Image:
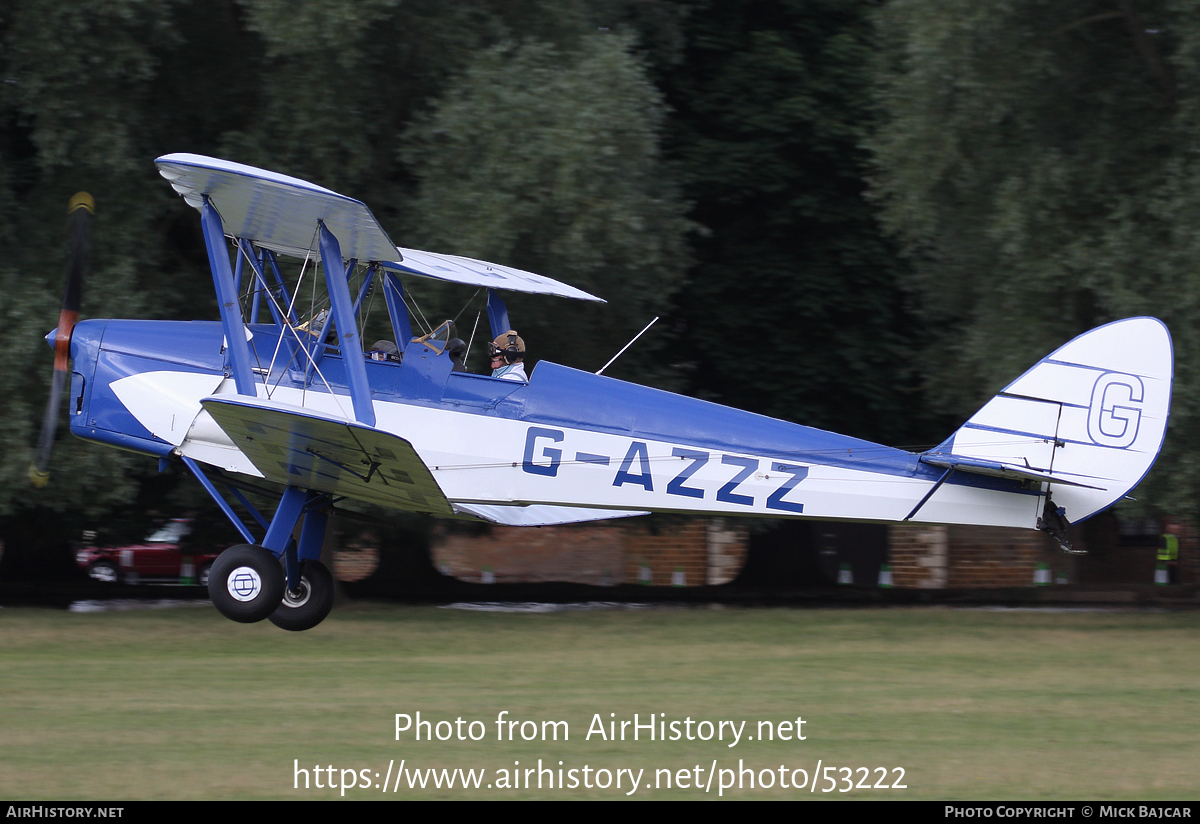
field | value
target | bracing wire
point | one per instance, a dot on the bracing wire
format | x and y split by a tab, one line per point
465	305
472	340
428	327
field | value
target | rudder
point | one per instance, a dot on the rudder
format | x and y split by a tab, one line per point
1088	418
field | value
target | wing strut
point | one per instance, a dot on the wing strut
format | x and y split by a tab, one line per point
347	330
929	494
497	314
237	348
237	522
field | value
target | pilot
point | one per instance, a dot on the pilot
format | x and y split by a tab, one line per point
384	350
508	357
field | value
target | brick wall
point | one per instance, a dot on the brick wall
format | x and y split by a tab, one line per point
952	556
714	551
982	557
927	556
691	551
917	555
1189	551
1127	551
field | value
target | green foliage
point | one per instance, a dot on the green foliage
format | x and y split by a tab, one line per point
549	161
793	308
337	83
1038	164
325	91
73	114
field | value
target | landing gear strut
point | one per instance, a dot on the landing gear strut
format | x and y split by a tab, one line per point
247	582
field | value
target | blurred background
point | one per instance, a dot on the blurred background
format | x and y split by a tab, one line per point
859	215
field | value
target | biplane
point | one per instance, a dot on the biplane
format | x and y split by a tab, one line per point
282	389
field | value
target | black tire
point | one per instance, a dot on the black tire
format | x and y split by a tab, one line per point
246	583
298	612
105	572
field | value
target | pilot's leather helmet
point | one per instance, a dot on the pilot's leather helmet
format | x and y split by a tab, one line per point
509	345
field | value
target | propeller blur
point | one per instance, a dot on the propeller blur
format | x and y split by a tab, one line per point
80	209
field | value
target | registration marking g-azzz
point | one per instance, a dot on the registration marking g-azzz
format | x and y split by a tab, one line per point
545	448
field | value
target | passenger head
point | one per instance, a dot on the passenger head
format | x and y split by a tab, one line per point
506	348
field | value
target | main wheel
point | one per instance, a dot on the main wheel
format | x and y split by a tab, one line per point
308	605
246	583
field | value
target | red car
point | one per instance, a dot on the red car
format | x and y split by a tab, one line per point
165	557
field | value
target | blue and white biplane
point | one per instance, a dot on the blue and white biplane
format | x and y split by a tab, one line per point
283	390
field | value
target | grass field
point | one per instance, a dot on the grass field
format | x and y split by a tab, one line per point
181	703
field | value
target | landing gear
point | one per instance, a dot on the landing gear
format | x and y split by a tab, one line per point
1054	522
246	583
307	605
249	582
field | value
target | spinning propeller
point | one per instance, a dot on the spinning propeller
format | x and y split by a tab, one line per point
80	210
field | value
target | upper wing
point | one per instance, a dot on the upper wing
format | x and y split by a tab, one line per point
300	448
457	269
275	211
280	213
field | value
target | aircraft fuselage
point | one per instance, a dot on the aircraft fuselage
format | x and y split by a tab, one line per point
567	438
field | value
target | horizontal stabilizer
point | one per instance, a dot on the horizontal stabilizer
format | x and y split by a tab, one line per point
999	470
542	514
305	449
1088	420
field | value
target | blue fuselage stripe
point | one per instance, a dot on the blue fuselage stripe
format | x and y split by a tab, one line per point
556	396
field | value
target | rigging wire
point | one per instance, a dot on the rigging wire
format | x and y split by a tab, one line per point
467	354
428	328
365	315
465	305
312	301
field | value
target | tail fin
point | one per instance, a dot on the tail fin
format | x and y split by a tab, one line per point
1087	421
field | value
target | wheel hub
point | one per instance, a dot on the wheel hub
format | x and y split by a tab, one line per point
299	596
243	584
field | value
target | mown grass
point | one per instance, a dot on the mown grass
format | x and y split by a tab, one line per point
181	703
